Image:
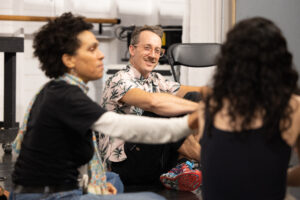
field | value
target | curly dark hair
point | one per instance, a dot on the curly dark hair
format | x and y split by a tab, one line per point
58	37
255	74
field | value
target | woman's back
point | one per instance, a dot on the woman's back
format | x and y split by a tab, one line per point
247	164
248	167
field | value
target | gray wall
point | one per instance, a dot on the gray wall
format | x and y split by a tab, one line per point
285	13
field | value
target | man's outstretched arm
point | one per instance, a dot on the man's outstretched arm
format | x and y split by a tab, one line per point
160	103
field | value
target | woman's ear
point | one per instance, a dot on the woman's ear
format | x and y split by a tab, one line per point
68	60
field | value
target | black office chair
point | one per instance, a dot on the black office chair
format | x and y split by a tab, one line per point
192	55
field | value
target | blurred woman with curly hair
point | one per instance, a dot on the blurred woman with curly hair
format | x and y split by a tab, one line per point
56	136
250	121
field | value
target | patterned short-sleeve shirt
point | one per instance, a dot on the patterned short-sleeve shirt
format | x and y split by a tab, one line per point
115	88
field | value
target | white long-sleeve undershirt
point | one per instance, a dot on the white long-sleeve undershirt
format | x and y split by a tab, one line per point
142	129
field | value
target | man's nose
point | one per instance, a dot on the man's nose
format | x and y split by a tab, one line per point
152	53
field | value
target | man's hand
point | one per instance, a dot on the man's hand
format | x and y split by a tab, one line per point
190	148
193	120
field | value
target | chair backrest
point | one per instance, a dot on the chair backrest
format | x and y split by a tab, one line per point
192	55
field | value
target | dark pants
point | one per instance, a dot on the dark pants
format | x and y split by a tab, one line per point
145	163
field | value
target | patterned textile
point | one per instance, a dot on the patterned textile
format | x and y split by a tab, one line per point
97	184
182	177
115	88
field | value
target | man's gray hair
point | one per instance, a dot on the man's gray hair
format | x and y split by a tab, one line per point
137	31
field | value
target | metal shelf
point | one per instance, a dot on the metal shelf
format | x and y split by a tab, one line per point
9	127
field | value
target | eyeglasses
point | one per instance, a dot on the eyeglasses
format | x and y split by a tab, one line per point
148	49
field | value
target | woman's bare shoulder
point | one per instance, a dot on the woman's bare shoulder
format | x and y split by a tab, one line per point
295	103
292	133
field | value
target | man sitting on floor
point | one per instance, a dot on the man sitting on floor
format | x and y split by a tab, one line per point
137	89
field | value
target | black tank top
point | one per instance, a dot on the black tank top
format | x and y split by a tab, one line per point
248	167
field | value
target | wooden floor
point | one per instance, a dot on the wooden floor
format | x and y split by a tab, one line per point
7	164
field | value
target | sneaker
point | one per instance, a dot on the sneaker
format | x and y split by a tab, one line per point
182	177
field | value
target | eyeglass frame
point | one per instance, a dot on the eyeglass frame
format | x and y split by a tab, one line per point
147	48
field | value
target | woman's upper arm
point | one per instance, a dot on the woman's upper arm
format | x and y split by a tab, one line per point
297	147
297	144
201	120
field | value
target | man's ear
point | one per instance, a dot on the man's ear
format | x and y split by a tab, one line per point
68	60
131	50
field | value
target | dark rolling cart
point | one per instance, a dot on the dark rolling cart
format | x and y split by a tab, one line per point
9	127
